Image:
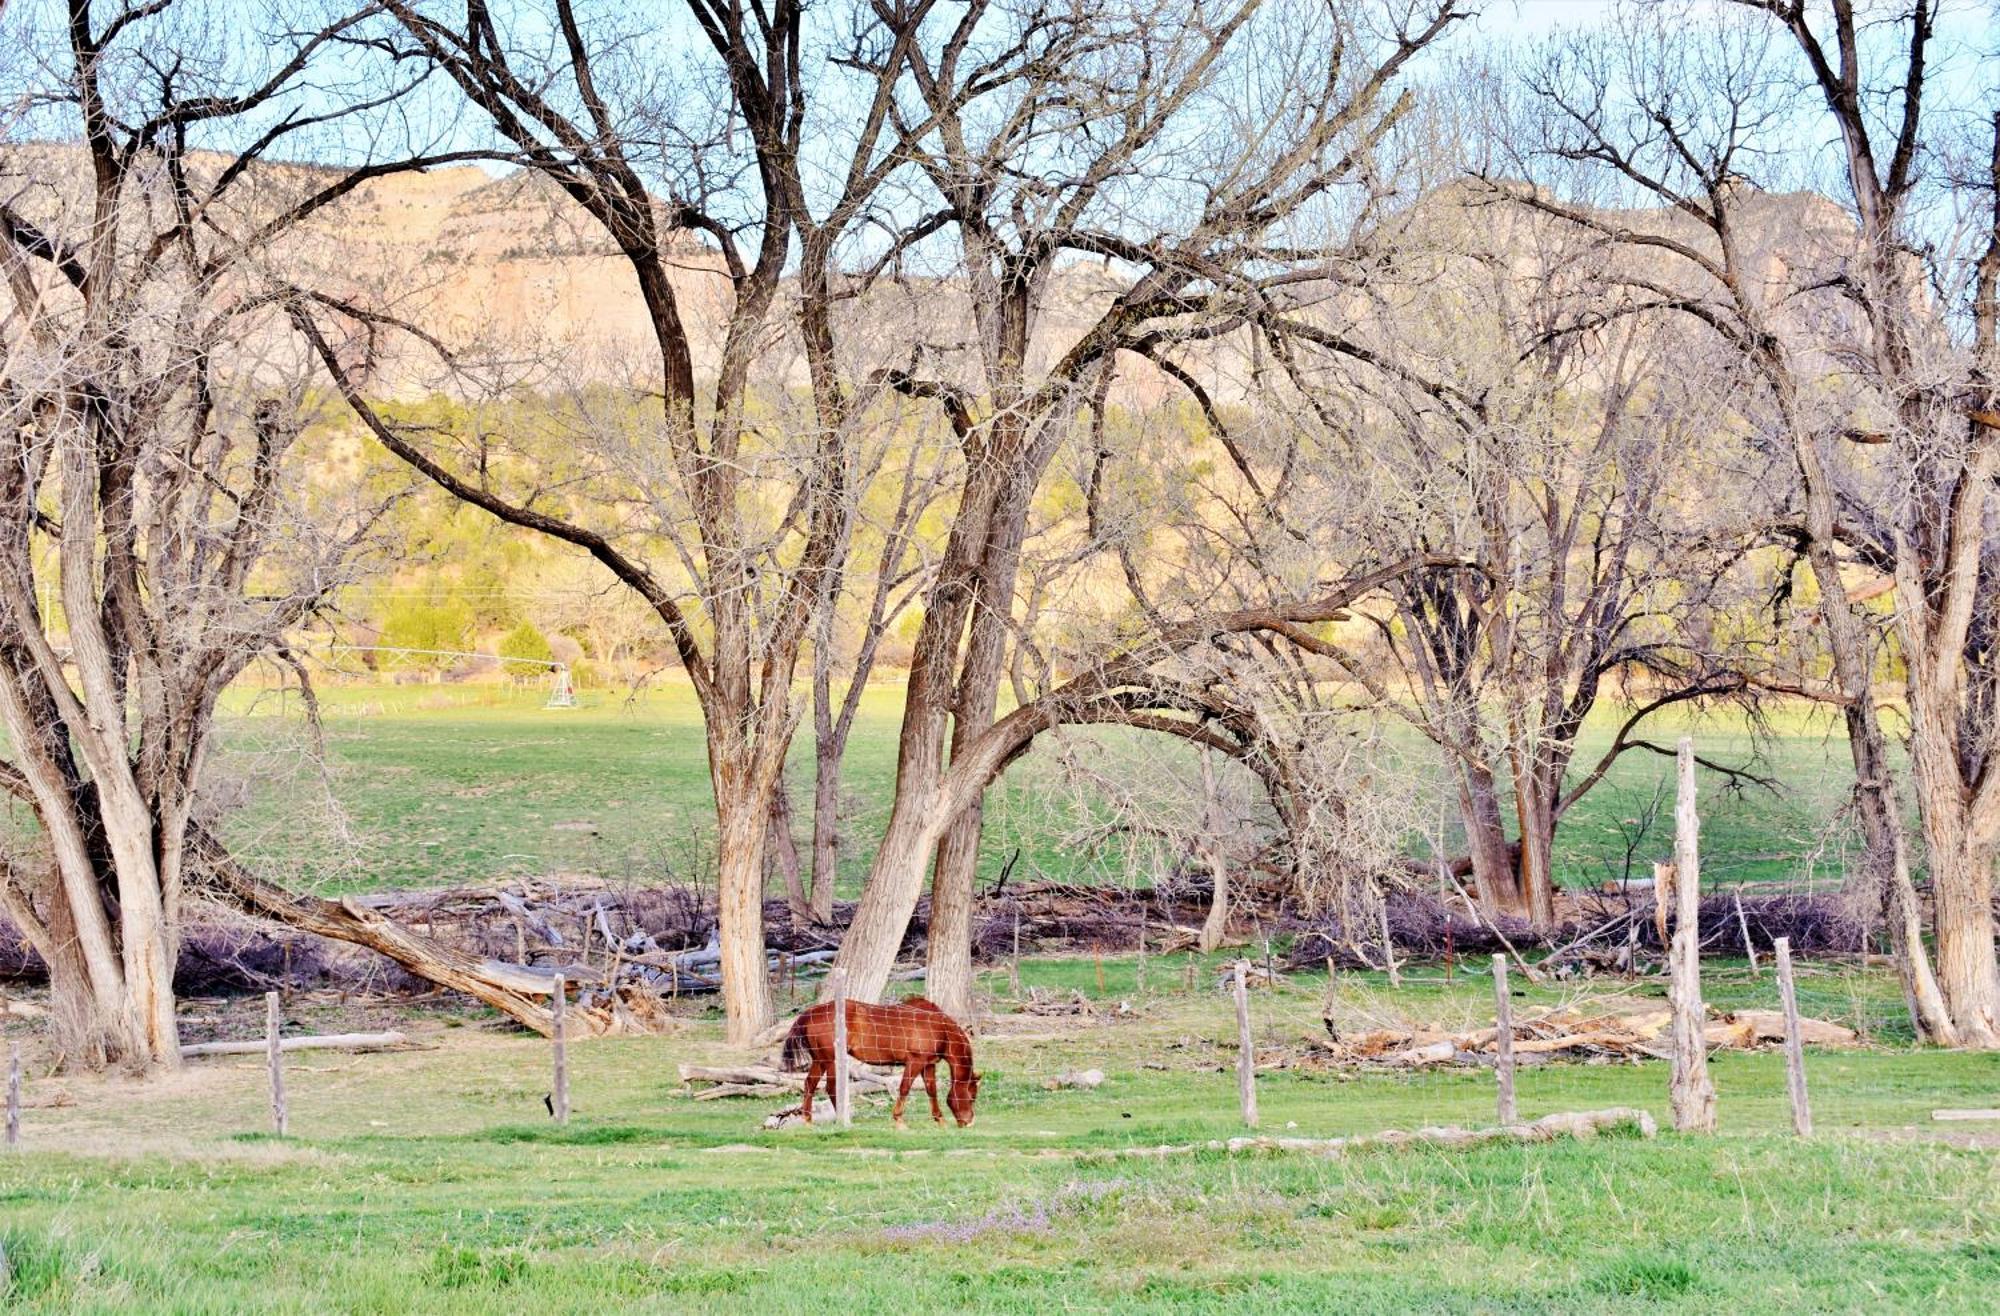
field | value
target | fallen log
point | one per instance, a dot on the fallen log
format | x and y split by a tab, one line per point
350	921
324	1042
1572	1124
1965	1114
775	1079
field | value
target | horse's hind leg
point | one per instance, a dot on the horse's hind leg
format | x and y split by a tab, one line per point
930	1086
903	1093
812	1085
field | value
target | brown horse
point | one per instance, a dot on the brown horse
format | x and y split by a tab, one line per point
912	1033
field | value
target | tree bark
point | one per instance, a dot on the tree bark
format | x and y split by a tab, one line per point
741	816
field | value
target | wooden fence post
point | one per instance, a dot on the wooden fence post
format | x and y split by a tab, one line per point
1246	1049
1795	1050
1139	965
559	1035
843	1102
1690	1090
276	1053
1743	926
14	1095
1503	1039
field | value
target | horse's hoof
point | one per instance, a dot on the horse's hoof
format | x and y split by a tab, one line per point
902	1127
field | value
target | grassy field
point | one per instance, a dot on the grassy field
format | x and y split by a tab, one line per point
431	1180
438	785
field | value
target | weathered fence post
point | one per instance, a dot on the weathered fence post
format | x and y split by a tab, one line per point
1100	973
1503	1038
1795	1048
1139	965
559	1035
1743	926
1388	945
843	1103
1246	1052
14	1095
275	1052
1691	1092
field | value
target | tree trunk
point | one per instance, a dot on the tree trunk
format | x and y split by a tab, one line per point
1886	858
948	974
782	851
1535	879
948	964
826	826
1961	871
1216	926
741	818
1495	879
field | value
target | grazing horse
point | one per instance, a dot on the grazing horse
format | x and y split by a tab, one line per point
912	1033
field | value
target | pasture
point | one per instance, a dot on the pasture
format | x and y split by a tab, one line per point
441	785
432	1179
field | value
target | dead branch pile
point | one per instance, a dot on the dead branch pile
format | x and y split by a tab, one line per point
1595	1032
1603	929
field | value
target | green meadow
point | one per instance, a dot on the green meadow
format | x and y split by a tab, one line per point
436	785
432	1179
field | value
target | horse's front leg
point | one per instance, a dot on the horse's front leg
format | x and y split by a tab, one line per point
930	1086
812	1085
910	1069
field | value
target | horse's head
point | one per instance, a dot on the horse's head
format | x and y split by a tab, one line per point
963	1093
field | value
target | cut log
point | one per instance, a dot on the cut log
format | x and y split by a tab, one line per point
324	1042
1965	1114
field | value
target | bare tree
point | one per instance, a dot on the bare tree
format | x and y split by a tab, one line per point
573	103
1049	135
1498	417
1859	377
157	534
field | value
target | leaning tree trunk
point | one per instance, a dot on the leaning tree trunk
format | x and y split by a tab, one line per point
511	989
1882	826
948	973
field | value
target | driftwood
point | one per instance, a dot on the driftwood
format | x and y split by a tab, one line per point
1574	1124
325	1042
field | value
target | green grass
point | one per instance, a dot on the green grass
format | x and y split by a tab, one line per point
432	1181
450	784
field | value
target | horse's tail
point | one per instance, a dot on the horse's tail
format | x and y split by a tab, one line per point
798	1051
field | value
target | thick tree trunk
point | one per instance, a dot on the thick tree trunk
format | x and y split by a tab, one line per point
948	964
1496	882
895	879
1961	871
1535	875
741	818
